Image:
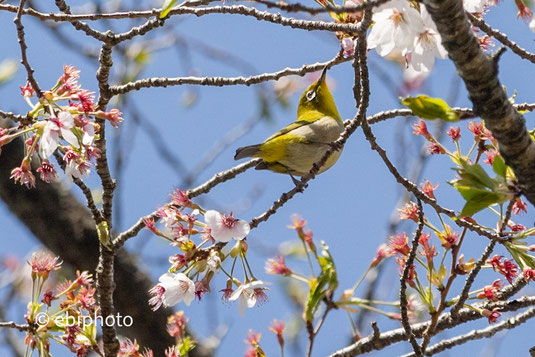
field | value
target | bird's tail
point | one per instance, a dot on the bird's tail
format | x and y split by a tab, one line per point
247	151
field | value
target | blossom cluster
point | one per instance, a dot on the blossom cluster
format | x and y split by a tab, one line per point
193	268
64	121
474	184
319	289
52	310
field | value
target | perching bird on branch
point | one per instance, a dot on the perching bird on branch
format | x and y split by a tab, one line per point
294	149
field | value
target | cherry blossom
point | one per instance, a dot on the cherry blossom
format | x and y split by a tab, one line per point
23	174
475	6
213	261
54	127
172	289
396	26
427	45
224	228
248	294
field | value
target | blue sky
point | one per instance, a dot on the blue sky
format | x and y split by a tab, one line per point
348	206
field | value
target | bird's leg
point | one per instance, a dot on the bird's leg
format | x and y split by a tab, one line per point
297	182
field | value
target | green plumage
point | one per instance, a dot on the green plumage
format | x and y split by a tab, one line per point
295	148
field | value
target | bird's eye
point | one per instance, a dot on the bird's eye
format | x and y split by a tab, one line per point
311	95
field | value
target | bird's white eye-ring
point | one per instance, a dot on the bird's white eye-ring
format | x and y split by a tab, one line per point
311	95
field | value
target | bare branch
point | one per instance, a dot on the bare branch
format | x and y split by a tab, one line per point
12	116
82	26
221	81
23	48
90	203
204	188
297	7
370	343
473	335
482	260
20	327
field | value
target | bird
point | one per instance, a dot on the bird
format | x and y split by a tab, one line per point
294	149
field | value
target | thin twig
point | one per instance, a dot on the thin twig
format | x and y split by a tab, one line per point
12	324
222	81
12	116
297	7
204	188
522	53
82	26
471	277
90	203
403	288
23	47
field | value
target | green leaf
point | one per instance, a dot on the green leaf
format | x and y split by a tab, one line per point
475	174
315	296
430	108
521	256
166	7
498	165
187	344
478	188
327	281
479	202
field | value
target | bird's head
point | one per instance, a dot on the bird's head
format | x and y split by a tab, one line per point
318	97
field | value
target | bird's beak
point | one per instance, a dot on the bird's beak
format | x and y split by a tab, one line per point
322	77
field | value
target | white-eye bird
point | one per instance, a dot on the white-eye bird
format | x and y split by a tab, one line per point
294	149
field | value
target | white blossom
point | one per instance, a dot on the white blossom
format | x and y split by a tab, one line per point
475	6
89	134
178	287
427	45
396	26
248	294
213	261
74	169
62	124
224	228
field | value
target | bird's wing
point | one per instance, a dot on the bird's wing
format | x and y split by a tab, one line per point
322	130
295	125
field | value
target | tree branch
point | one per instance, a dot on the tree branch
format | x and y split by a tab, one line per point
522	53
221	81
473	335
446	321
